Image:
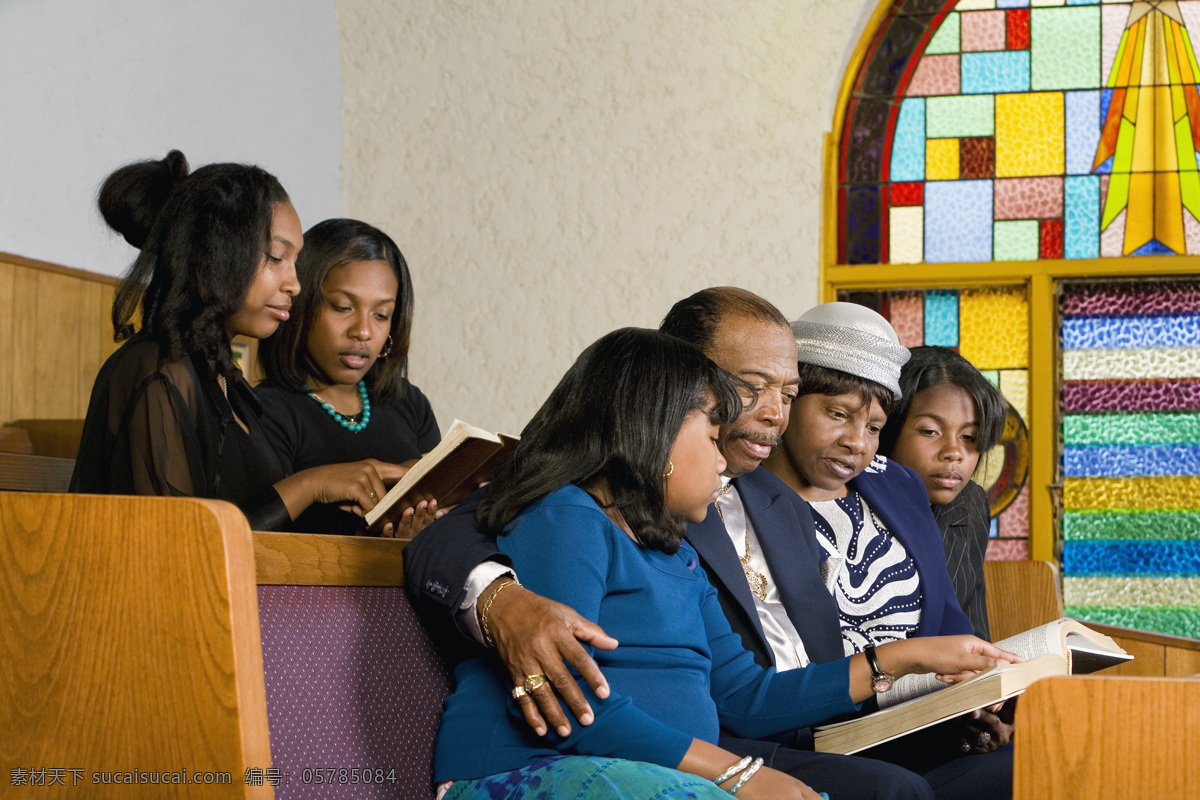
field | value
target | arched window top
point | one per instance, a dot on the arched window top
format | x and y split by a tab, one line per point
1017	130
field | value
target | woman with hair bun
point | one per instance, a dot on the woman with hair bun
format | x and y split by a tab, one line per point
337	383
170	414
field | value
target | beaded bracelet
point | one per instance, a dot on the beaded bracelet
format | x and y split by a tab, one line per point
734	770
747	775
487	606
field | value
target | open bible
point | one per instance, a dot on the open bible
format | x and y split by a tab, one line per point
1062	647
465	457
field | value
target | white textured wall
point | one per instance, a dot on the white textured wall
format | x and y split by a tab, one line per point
553	170
88	86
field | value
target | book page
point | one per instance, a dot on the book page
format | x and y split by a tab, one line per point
1035	642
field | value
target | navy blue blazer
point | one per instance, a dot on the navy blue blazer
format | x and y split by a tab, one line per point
897	496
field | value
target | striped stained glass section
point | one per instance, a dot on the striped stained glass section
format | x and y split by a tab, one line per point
1131	454
990	328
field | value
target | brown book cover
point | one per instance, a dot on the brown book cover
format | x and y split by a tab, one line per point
465	457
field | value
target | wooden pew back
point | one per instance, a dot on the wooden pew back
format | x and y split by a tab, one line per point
1088	737
1020	595
129	640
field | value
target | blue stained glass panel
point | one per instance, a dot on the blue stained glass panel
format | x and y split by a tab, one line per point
1083	2
1117	332
1082	213
1154	248
1131	558
941	317
1111	461
990	73
1105	100
908	145
1012	3
958	221
1083	130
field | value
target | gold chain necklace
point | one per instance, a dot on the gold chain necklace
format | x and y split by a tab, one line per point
756	580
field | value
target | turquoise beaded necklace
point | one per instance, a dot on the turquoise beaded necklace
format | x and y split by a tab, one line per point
343	420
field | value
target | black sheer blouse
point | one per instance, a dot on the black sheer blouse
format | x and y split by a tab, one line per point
167	429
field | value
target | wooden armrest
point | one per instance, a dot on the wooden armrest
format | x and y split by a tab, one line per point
1096	736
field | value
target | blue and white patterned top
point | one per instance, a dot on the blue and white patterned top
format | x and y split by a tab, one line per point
873	578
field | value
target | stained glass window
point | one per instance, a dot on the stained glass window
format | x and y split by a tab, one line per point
1131	453
1013	156
996	131
990	328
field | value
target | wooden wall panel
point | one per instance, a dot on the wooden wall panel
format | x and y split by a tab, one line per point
54	335
7	315
21	356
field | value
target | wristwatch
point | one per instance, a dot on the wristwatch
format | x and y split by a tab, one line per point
880	680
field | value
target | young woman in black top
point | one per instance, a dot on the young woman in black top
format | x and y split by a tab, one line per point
170	413
337	385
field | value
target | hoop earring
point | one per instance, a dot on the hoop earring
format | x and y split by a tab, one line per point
387	347
670	470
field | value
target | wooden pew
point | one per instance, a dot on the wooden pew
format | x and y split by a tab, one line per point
1020	595
353	682
129	641
1089	737
56	438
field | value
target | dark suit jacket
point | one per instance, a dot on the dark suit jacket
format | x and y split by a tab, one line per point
783	523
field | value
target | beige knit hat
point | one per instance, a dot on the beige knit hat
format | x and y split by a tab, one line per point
852	339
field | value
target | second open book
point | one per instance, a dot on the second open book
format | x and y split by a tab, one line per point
465	457
1062	647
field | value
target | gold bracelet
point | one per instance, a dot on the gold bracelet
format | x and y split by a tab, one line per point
487	606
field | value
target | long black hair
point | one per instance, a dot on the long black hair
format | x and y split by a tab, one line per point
328	245
931	367
202	237
615	414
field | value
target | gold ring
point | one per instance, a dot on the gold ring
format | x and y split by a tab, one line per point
534	682
518	692
373	496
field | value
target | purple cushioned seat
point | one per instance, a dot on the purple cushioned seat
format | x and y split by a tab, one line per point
353	683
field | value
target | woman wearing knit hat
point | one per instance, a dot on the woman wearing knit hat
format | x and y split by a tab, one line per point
882	552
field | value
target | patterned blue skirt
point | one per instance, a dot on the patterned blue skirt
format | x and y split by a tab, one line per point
579	777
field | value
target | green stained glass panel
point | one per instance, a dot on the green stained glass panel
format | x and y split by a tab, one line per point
946	40
1140	525
953	117
1131	429
1015	241
1065	45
